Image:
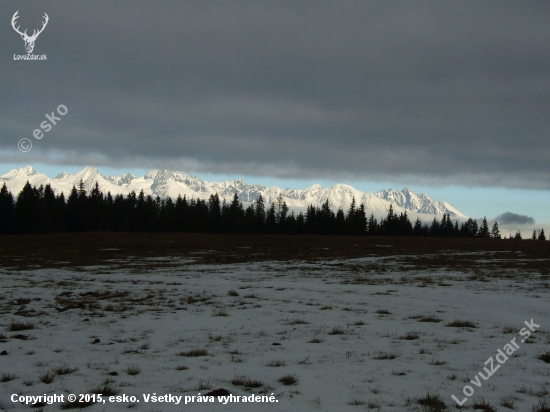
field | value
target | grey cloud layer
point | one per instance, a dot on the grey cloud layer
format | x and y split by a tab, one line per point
513	218
439	92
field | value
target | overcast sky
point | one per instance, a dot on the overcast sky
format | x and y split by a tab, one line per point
424	93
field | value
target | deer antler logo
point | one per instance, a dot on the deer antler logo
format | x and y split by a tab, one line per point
29	40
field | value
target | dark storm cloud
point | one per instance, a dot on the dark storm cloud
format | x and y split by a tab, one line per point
431	91
509	218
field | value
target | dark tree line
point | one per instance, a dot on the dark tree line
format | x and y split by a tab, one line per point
40	210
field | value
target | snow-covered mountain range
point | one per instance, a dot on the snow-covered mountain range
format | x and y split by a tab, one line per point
165	183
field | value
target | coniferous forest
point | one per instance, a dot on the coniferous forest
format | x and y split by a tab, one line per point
40	210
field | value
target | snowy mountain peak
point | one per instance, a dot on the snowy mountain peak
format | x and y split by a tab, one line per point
89	171
166	175
123	180
422	203
164	183
89	175
343	186
62	175
27	171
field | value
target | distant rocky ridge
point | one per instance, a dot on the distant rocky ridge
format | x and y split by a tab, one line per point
165	183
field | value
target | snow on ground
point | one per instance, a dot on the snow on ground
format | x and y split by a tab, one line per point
353	338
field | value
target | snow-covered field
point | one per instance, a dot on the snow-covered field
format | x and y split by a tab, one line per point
361	334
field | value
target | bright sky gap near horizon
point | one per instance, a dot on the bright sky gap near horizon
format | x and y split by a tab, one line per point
451	99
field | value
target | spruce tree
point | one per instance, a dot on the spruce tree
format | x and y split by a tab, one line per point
326	220
282	213
6	210
434	228
300	223
310	220
271	219
483	229
185	220
118	215
249	220
234	220
108	203
259	214
340	222
96	208
405	226
214	213
139	215
495	233
201	215
417	229
390	225
443	226
449	228
27	210
372	225
82	206
361	220
151	214
49	220
352	207
290	224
